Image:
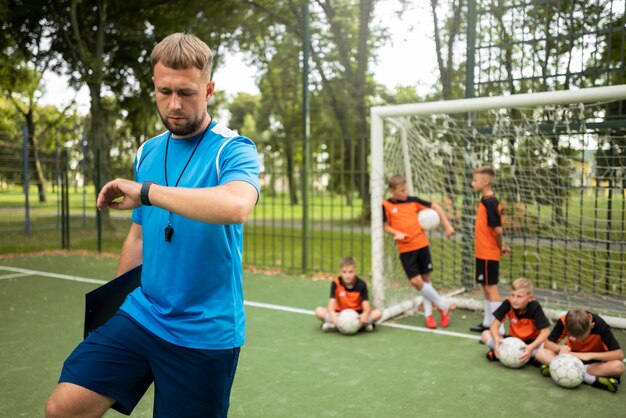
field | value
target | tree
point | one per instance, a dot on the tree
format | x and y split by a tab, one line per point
105	45
25	57
447	32
611	154
341	41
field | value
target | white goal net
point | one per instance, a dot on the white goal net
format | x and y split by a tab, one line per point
560	159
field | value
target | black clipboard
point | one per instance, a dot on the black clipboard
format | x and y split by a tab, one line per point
102	303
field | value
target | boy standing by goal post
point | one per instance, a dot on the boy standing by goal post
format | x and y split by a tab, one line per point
400	220
488	243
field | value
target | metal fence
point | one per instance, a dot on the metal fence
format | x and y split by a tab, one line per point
281	234
543	45
46	196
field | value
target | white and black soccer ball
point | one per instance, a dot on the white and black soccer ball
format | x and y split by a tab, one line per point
428	219
348	322
510	350
567	370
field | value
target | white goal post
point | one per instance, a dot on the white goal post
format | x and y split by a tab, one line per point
386	118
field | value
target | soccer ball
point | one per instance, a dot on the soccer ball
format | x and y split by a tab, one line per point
348	322
510	350
567	370
428	219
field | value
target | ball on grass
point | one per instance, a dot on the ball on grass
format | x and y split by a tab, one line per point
510	350
348	322
567	370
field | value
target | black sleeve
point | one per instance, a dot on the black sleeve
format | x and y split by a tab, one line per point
539	316
333	289
502	310
557	331
420	201
384	214
363	290
605	332
493	214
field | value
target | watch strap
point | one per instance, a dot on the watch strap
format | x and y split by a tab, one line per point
145	189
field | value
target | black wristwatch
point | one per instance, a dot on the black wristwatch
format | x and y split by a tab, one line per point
145	188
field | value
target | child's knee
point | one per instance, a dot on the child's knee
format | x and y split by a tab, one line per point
618	367
375	315
417	282
491	293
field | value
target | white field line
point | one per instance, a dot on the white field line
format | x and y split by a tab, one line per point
26	272
14	275
278	307
52	275
384	324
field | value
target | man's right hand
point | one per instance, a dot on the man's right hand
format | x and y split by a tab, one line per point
128	190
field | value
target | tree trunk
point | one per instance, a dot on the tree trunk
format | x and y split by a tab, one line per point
293	194
99	139
362	126
34	151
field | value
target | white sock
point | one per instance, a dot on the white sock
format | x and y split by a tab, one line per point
428	307
430	293
493	306
588	378
487	316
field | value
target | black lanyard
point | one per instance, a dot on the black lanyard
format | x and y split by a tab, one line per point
167	146
169	230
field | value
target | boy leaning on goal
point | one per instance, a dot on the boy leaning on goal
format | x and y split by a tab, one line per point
488	244
400	220
588	337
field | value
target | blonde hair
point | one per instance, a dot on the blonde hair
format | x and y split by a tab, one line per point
347	261
181	51
522	283
486	171
577	322
395	181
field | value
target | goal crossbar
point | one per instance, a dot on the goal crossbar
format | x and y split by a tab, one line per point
476	104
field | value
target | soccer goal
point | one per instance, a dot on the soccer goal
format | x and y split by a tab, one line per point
560	159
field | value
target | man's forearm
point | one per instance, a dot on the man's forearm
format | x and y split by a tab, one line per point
228	204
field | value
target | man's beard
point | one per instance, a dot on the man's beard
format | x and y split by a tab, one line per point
184	130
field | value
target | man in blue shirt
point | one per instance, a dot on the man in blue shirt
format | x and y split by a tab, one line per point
195	186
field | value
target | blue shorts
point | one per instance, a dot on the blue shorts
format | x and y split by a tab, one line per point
121	359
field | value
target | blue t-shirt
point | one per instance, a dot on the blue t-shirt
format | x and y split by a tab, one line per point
191	287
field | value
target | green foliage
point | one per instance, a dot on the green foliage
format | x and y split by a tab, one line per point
243	107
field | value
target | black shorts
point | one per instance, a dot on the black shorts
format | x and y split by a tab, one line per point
417	262
487	272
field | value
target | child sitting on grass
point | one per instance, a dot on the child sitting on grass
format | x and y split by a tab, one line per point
348	292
